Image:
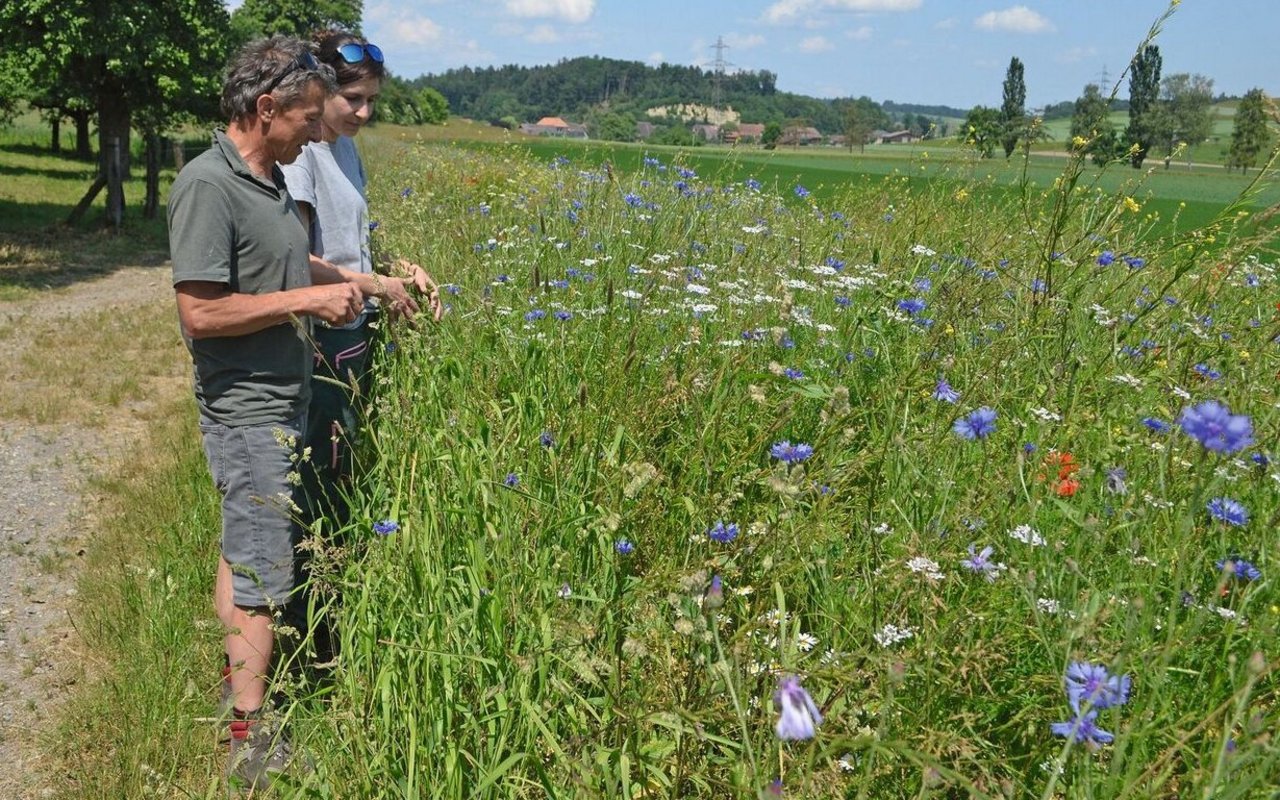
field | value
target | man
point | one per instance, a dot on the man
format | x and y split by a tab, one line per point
247	292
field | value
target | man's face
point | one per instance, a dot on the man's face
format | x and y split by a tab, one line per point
293	127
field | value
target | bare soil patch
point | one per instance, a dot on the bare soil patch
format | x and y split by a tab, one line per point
48	460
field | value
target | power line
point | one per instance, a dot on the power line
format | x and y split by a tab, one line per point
717	74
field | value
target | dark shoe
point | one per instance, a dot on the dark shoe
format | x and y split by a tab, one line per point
261	752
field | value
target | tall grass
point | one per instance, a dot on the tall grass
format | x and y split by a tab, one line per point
621	356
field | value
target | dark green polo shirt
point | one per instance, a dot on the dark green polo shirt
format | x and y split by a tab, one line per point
232	227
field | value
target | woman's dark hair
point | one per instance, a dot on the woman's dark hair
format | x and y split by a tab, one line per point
329	41
276	66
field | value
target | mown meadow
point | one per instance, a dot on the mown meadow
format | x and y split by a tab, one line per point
713	488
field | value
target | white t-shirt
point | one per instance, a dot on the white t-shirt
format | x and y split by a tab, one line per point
331	178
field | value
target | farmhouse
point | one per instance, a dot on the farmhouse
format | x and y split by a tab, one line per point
893	137
800	136
707	133
747	133
554	126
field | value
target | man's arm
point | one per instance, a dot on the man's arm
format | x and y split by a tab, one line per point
207	309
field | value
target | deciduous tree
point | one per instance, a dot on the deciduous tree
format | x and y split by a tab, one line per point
981	129
1187	101
300	18
158	58
1250	136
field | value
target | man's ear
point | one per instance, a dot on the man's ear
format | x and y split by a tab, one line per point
267	107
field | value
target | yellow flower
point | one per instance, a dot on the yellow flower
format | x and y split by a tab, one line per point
1079	141
1244	355
962	195
1132	205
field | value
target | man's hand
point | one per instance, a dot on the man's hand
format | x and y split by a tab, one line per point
335	303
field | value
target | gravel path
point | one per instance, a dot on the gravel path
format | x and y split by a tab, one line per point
46	521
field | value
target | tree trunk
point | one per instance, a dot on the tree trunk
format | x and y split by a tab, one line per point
77	213
55	135
151	204
114	127
84	145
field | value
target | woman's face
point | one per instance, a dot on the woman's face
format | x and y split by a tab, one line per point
350	108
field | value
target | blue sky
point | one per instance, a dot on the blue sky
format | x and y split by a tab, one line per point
952	52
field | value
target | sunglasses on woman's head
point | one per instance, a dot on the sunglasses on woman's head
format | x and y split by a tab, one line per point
354	52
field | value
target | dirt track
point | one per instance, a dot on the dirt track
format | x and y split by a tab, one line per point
47	521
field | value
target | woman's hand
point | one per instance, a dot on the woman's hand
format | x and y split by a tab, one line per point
420	279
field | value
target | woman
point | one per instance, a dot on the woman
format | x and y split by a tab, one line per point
328	183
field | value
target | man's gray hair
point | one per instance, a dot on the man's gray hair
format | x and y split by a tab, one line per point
278	66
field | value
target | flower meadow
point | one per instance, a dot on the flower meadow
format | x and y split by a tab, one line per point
708	488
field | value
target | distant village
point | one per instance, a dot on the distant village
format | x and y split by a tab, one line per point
730	133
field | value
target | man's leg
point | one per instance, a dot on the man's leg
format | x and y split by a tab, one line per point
249	642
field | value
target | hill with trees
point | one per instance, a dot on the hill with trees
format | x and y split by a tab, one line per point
597	90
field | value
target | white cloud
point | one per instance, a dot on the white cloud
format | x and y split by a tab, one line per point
543	34
1016	19
788	10
567	10
861	34
1074	55
815	44
655	58
945	24
743	41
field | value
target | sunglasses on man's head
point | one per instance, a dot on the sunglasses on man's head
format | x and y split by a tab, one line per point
306	61
354	52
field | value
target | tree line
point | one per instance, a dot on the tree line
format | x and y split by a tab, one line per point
1167	116
153	65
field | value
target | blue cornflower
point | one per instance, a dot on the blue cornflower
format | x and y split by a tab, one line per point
373	225
843	301
547	439
390	347
913	306
722	533
563	316
685	172
534	315
1134	262
1157	425
1106	258
923	285
834	263
755	335
714	597
1091	686
633	199
1083	729
1029	448
452	288
1224	509
979	424
385	527
511	481
1115	480
801	191
406	191
793	373
790	453
1205	371
1214	426
624	547
752	184
1239	568
1038	285
981	563
1261	459
944	392
798	715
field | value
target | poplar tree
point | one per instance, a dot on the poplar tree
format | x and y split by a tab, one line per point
1013	110
1144	98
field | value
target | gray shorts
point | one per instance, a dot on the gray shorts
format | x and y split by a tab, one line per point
251	466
